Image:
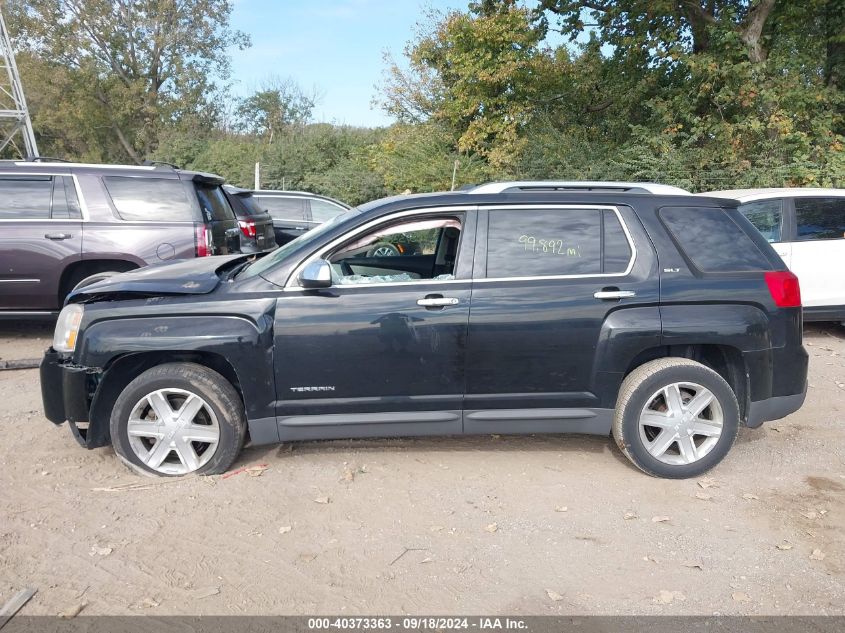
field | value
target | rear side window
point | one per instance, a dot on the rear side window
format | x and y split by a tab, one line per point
149	199
213	203
323	211
766	216
552	242
250	205
282	208
25	198
712	240
820	218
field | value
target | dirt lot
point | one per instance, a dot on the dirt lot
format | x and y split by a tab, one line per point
522	525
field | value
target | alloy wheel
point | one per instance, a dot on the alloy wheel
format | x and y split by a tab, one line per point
173	431
681	423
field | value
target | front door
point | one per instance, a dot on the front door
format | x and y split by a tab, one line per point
553	277
382	351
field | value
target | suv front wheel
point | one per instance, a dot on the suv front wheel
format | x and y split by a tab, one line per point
176	419
675	418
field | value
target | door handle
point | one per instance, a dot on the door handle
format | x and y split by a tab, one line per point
58	236
437	302
614	294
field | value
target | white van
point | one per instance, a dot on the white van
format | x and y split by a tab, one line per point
807	229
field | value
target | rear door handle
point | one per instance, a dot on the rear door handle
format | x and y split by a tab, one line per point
437	302
58	236
614	294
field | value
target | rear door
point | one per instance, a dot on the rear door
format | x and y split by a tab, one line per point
545	280
818	251
40	235
289	213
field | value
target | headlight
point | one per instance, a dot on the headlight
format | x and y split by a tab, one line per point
67	328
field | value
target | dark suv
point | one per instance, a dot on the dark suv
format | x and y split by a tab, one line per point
62	224
256	225
666	320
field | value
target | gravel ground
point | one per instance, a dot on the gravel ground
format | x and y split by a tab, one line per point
494	525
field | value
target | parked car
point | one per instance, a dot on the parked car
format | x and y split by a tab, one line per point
65	224
806	227
255	223
664	320
295	212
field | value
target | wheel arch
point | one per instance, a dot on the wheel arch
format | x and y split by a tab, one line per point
80	269
125	368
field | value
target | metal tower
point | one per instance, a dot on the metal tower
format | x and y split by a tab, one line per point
15	124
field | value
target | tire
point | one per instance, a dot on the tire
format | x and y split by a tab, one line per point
387	250
219	411
648	394
92	279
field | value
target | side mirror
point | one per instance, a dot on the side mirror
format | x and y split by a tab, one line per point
317	274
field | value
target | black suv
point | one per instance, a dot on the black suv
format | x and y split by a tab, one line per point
256	225
661	318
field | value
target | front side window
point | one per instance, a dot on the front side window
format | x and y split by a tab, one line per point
555	242
412	250
25	197
323	210
766	216
149	199
820	218
283	208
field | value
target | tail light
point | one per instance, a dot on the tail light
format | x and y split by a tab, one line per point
784	288
247	228
203	241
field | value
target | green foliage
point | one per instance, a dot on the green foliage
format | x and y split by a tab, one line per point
131	66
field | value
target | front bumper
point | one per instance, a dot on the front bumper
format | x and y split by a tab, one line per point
65	392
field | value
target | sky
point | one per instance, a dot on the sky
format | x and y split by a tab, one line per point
335	46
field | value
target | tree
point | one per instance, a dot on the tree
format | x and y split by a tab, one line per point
278	103
134	65
477	73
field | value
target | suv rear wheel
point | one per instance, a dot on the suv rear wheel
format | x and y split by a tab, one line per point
176	419
675	418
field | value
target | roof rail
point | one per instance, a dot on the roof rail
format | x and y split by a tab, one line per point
159	163
575	185
46	159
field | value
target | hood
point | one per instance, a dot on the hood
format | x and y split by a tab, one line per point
187	277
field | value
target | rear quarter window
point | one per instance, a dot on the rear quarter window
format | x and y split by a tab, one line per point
766	216
213	202
149	199
712	240
283	208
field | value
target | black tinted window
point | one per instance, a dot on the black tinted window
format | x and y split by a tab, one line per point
712	240
544	242
617	249
213	203
247	205
322	210
26	198
766	216
283	208
820	218
149	199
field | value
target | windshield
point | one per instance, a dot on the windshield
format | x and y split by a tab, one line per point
302	241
